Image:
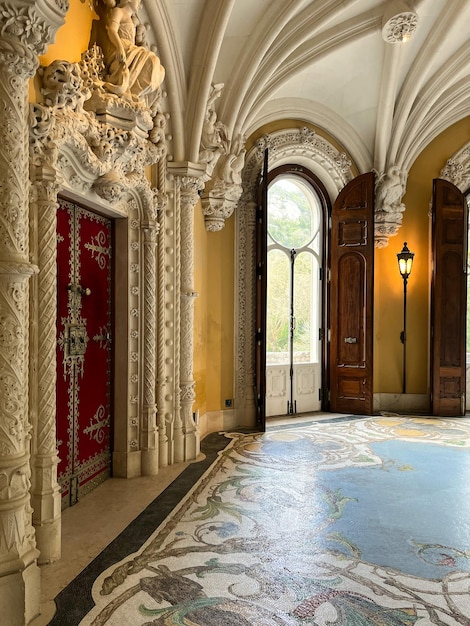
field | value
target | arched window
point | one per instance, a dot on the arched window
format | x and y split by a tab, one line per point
294	295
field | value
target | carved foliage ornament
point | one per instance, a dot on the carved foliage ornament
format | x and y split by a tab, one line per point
24	35
457	169
113	158
400	27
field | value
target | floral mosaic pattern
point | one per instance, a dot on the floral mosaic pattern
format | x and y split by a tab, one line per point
256	542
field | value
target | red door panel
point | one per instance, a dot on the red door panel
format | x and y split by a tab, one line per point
84	244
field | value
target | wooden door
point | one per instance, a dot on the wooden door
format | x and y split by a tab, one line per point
84	244
351	298
448	299
261	274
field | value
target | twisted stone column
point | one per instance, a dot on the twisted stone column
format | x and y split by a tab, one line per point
189	199
25	29
149	431
45	493
188	182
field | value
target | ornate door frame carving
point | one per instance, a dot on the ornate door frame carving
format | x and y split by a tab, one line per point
103	167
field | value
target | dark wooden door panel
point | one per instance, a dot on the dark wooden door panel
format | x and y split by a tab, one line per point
261	294
351	298
448	299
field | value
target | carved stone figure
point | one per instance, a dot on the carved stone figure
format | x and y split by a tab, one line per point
214	137
390	188
131	69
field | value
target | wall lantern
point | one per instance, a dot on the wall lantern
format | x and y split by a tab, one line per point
405	264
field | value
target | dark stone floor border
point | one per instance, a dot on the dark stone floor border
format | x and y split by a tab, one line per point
75	601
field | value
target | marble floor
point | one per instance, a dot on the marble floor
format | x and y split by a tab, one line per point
326	520
110	508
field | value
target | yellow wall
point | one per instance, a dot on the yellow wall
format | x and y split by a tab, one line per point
415	230
214	315
72	38
200	311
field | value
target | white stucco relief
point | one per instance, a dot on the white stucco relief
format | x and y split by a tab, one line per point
223	157
94	145
26	27
457	169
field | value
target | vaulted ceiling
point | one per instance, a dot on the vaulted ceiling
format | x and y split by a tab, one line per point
320	61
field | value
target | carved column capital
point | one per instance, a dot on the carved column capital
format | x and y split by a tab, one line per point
219	200
26	27
189	179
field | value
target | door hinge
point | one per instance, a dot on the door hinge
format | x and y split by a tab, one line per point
321	334
321	272
320	394
73	489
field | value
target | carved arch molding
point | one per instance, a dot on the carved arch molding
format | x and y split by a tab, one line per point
457	169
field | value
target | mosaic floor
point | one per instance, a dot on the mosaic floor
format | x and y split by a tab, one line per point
346	522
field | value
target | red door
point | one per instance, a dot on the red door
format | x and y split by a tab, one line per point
84	244
352	298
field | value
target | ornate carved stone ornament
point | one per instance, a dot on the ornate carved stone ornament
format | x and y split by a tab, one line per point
26	28
399	22
89	152
390	188
223	158
124	75
457	169
97	145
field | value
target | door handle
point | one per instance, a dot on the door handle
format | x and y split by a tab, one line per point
350	340
84	291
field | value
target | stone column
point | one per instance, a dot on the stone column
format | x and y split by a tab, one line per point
25	29
189	199
149	431
188	182
45	493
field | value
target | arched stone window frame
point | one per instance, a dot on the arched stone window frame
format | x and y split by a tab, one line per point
302	146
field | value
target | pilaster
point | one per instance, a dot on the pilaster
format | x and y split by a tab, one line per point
188	182
45	493
25	30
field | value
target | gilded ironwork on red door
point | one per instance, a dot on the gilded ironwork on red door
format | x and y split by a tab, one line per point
84	245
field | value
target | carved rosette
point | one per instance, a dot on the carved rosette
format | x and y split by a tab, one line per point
400	27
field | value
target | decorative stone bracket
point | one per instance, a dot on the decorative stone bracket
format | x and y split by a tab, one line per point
390	188
224	158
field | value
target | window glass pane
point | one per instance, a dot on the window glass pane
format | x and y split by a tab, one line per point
290	220
306	301
277	323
